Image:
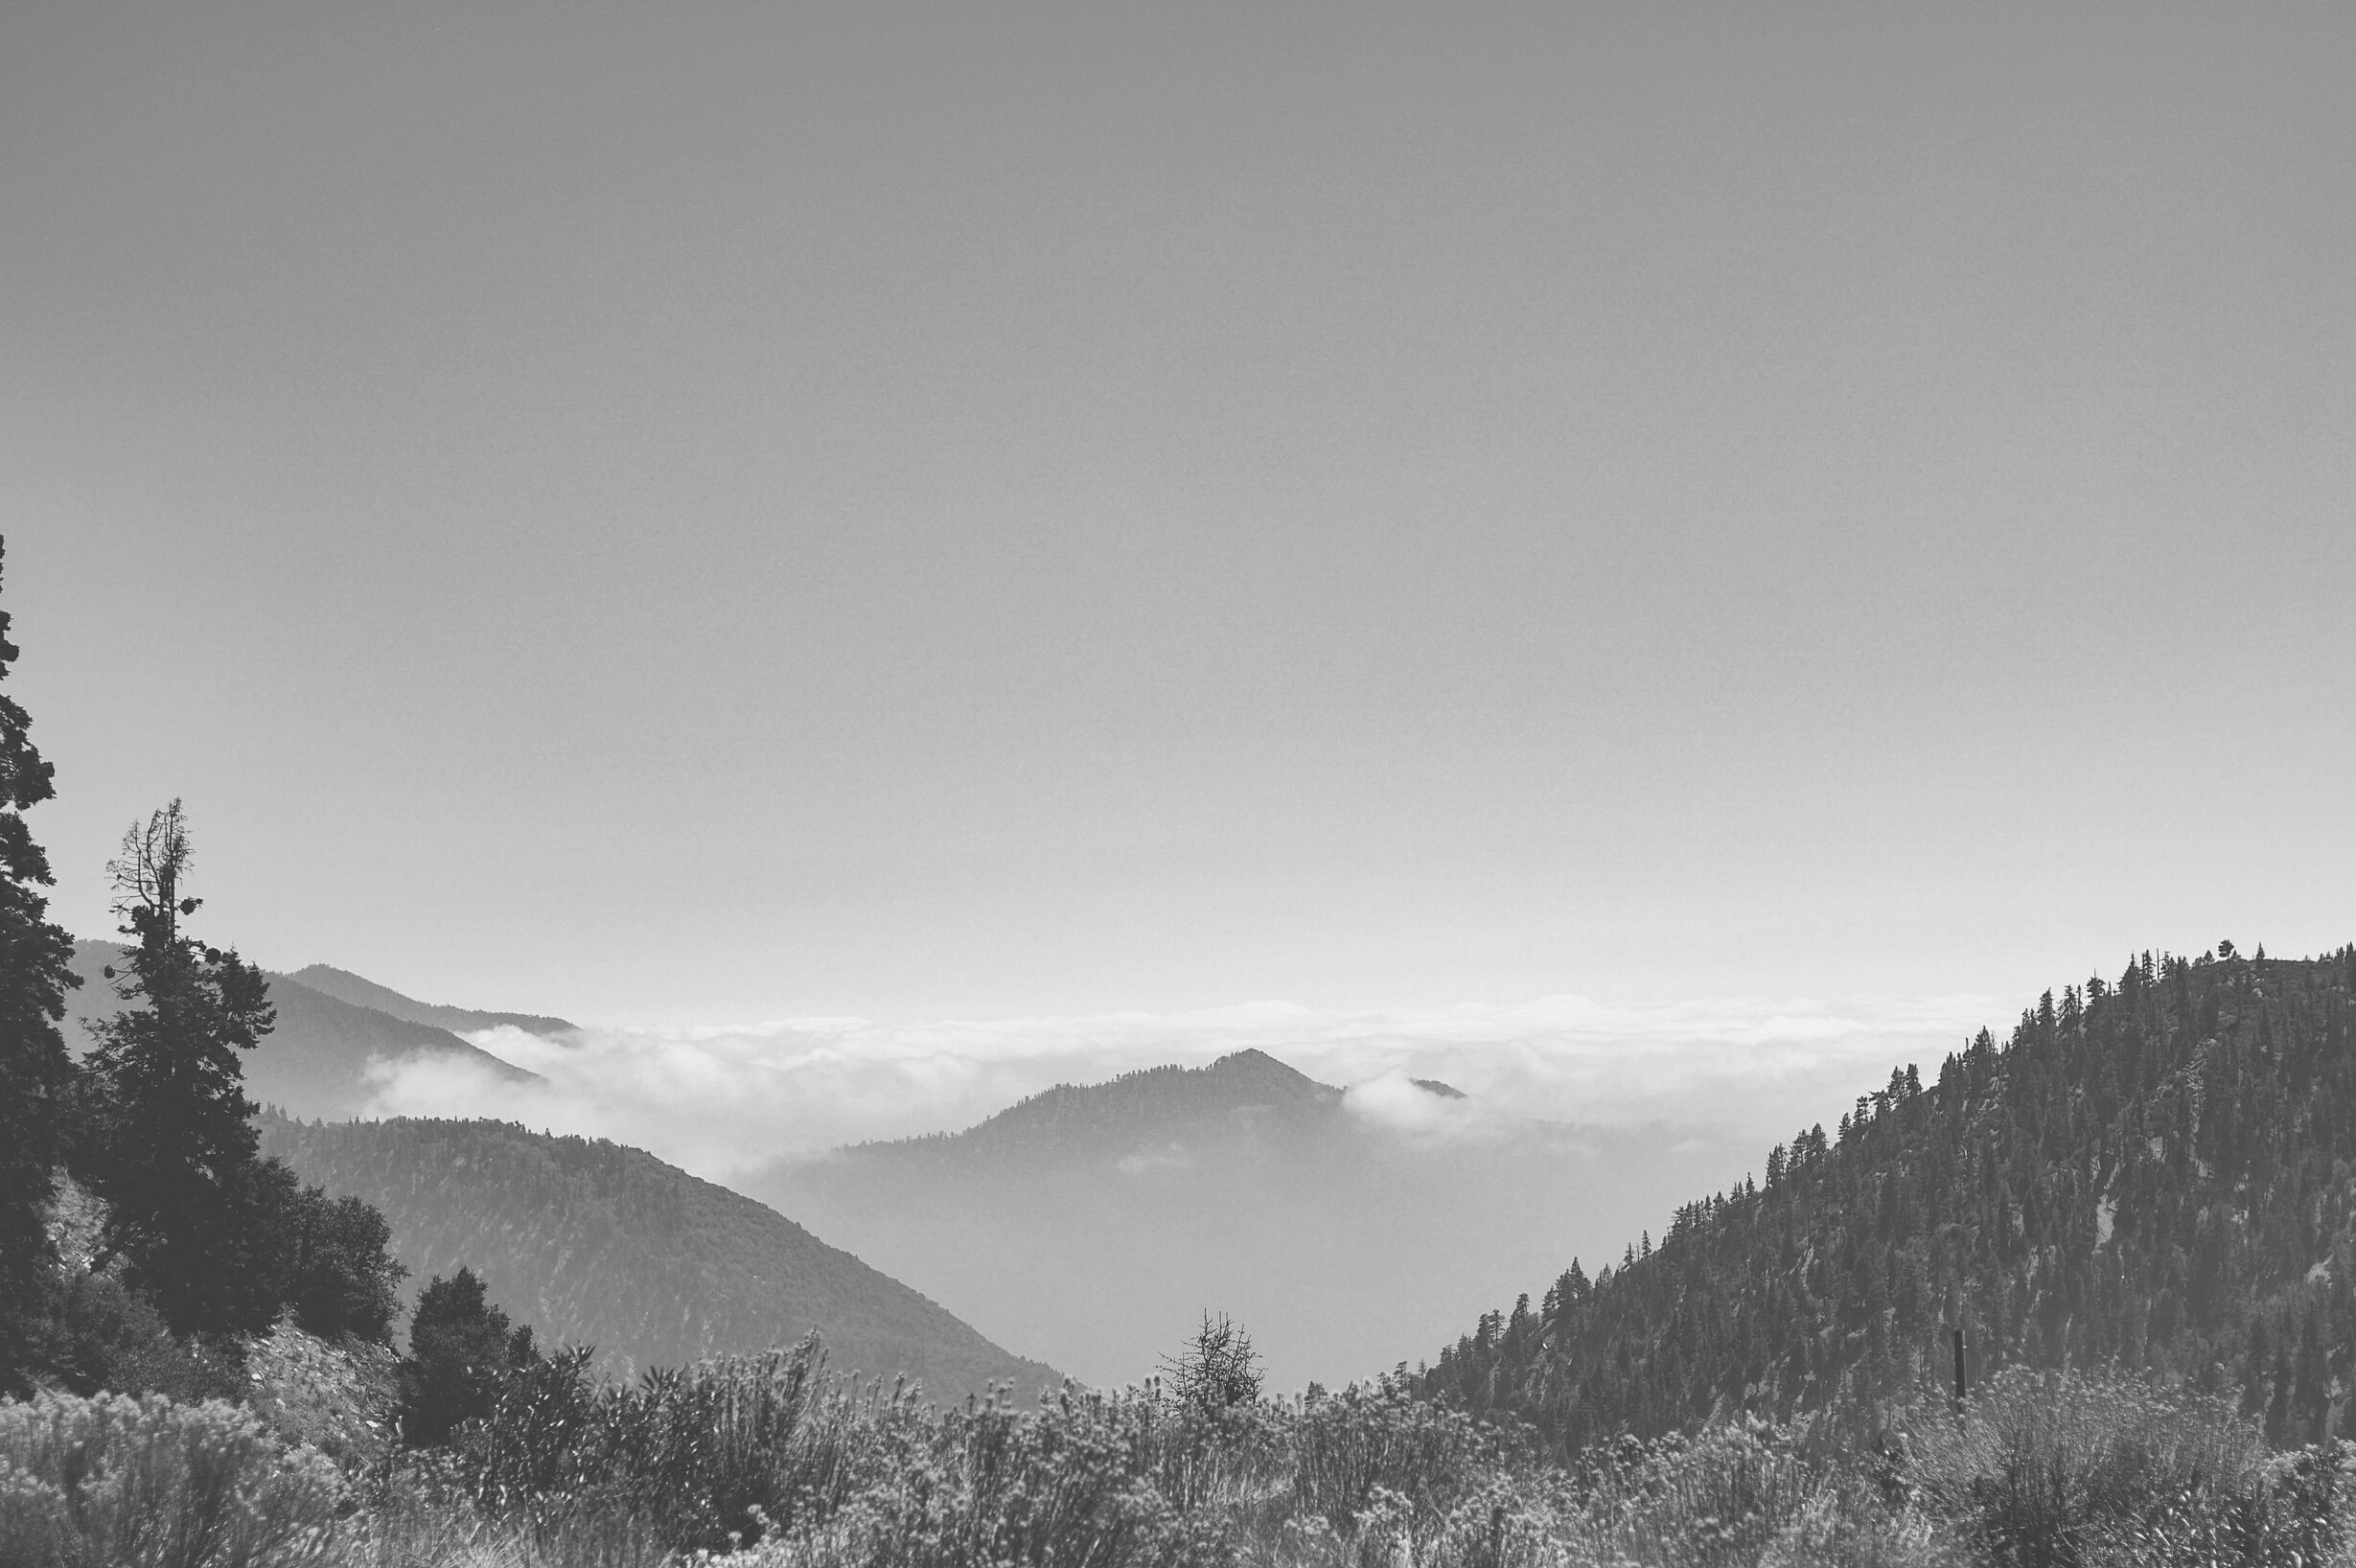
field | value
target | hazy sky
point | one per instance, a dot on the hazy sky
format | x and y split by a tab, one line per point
723	512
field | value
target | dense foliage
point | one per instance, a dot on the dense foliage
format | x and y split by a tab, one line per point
168	1141
773	1464
117	1480
34	1065
462	1349
2157	1174
330	1260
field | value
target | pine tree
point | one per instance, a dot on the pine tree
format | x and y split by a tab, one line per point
460	1347
171	1148
34	1065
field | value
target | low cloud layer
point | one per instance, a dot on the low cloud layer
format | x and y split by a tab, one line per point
723	1101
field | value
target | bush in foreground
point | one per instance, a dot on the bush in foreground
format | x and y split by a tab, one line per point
2064	1469
120	1480
770	1463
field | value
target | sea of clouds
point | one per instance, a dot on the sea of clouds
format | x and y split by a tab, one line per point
725	1100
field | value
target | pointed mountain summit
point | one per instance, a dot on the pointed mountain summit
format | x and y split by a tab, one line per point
1239	1097
1089	1225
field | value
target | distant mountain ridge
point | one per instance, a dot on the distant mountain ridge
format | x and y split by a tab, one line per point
594	1244
1091	1225
360	992
317	1059
1231	1097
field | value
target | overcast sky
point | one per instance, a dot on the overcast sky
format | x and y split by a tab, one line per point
703	513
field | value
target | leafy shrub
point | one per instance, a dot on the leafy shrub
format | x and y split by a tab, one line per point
1082	1481
1368	1478
107	1336
417	1514
1347	1449
335	1273
2058	1469
712	1454
118	1480
1745	1492
2288	1516
767	1461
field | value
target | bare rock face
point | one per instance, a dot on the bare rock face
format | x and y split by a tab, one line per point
340	1398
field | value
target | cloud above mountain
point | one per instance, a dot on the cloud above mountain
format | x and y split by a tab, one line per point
725	1100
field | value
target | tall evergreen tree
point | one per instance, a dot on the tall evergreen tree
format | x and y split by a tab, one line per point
34	1066
460	1347
172	1147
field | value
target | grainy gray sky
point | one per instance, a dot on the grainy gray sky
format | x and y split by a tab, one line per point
735	511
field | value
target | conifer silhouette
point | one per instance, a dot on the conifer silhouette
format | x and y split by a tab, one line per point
35	1068
171	1146
460	1347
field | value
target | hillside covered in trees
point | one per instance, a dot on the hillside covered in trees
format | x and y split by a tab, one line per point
2157	1174
597	1244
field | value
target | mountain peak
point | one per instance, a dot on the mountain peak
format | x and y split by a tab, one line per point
1243	1091
1255	1065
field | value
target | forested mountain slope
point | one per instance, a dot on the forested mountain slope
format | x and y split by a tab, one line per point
2158	1172
593	1243
1092	1224
315	1060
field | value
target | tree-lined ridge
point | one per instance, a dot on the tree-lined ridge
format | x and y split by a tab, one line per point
2157	1172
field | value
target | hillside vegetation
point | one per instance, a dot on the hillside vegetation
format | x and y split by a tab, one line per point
766	1463
2157	1174
600	1245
